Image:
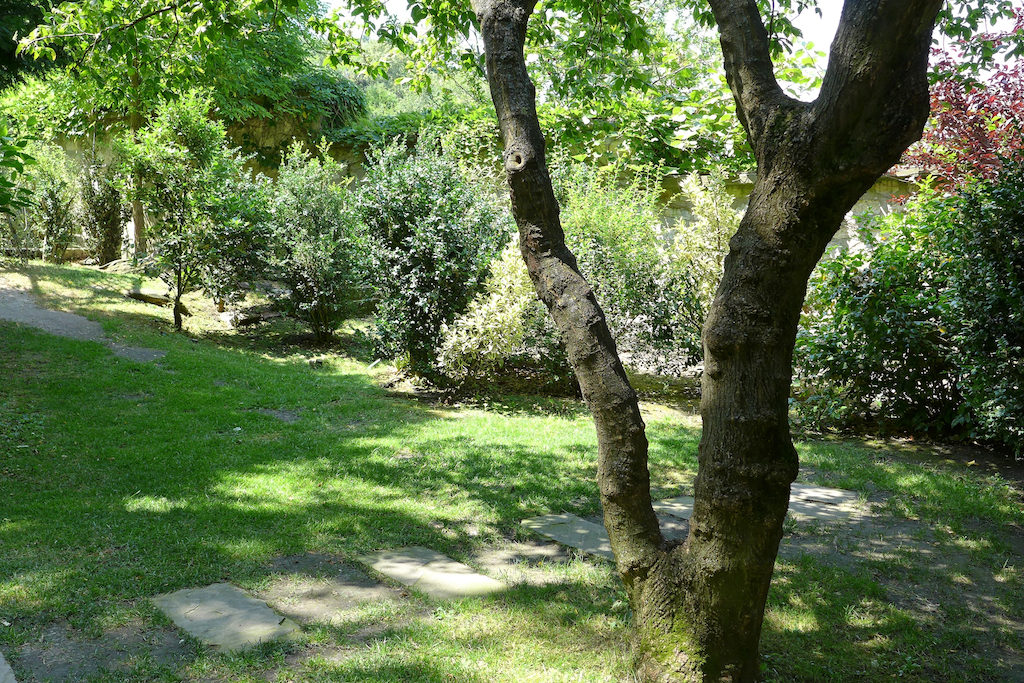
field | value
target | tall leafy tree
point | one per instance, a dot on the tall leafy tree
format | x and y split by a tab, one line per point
976	123
17	18
129	56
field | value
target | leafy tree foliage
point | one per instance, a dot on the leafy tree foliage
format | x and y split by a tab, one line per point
975	124
17	17
51	210
206	232
256	58
102	210
13	159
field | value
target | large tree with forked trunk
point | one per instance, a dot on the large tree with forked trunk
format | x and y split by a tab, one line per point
699	605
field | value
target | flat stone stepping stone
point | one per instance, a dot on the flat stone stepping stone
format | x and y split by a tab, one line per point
224	616
681	507
432	573
821	494
6	674
806	503
812	510
574	531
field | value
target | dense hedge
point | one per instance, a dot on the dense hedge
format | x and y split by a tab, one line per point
923	331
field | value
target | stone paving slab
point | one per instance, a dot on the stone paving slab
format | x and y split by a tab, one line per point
821	494
571	530
806	503
6	674
430	572
812	510
224	616
681	507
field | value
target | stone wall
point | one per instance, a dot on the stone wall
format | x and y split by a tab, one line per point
880	199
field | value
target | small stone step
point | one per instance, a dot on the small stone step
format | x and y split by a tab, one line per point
224	616
821	494
812	510
573	531
432	573
806	503
6	674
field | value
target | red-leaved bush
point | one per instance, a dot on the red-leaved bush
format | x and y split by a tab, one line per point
975	125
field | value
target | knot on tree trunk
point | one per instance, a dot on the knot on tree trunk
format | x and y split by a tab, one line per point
517	158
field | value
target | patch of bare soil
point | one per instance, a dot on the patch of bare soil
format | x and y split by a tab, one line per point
61	655
316	588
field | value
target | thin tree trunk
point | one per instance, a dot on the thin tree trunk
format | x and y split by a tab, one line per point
135	122
177	299
699	606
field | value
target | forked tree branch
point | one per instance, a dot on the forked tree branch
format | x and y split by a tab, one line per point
876	71
748	64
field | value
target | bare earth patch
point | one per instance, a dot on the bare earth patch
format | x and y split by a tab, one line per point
60	655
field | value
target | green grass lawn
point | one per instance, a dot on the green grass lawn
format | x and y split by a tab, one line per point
120	480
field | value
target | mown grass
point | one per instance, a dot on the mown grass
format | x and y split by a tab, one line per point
119	481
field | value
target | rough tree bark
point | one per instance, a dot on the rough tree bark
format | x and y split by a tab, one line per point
698	606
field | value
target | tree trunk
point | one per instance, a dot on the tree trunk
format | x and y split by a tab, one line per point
179	289
699	606
135	121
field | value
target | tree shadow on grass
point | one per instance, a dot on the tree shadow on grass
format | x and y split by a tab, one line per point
826	623
115	500
122	495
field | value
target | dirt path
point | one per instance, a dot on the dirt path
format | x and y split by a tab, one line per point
19	306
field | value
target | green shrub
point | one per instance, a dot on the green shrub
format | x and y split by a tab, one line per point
434	234
319	247
874	345
51	209
506	335
922	331
700	245
13	159
238	232
986	246
648	294
102	210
